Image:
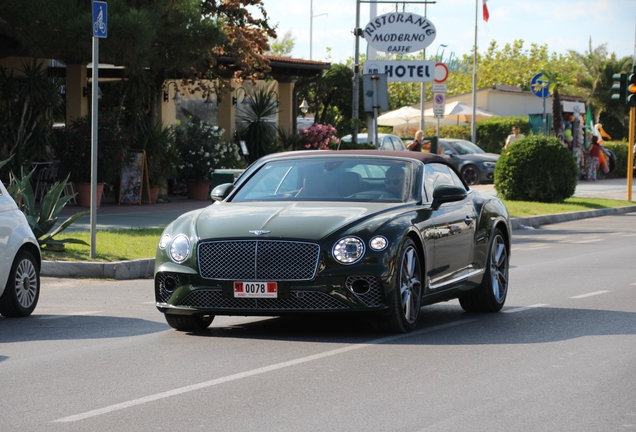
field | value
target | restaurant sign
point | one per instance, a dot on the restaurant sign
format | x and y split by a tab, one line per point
399	32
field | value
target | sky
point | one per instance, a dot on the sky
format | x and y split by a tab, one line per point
561	24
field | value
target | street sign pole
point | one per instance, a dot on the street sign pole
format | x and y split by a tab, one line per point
100	30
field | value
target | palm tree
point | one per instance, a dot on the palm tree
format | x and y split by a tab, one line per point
558	81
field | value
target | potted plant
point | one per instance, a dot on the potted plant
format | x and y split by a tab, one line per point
73	149
161	155
201	151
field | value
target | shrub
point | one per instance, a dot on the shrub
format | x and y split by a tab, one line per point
318	137
73	148
536	168
201	150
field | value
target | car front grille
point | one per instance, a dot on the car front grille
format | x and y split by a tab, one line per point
298	300
263	260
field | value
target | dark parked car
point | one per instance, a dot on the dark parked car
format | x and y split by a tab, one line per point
474	165
381	233
387	142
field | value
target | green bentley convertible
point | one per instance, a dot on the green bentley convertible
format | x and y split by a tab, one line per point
359	231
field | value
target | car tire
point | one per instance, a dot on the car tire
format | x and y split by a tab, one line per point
22	291
406	293
470	174
490	295
189	322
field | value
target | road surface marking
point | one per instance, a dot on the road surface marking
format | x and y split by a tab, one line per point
523	308
589	294
588	241
253	372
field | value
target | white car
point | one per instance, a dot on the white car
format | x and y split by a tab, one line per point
20	261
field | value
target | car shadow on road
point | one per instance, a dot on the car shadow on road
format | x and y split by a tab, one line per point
71	327
442	325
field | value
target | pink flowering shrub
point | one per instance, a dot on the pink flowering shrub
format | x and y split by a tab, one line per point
318	137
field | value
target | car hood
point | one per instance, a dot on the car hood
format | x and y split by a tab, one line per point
300	220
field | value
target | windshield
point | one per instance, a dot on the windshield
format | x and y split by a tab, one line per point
460	147
330	179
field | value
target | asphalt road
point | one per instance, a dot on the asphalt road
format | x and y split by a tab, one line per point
97	355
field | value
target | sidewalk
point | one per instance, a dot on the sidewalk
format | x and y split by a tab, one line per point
110	215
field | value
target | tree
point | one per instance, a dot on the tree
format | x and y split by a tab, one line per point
282	46
558	81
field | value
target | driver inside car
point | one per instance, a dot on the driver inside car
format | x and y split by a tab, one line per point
394	181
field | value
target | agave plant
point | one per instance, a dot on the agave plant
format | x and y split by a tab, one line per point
52	204
258	133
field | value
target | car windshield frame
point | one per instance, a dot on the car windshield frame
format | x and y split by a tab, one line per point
331	179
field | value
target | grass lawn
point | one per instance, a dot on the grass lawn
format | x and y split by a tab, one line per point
119	245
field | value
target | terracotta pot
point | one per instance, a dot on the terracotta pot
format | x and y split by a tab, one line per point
198	189
83	191
154	194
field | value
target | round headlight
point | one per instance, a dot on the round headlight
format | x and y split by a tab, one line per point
180	248
378	243
348	250
164	240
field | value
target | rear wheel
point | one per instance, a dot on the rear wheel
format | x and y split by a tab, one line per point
23	287
490	296
189	322
407	293
470	174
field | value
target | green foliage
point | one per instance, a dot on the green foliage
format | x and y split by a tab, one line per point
536	168
52	204
73	148
161	153
259	134
492	133
28	102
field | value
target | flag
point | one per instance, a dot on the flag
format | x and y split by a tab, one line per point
485	11
589	127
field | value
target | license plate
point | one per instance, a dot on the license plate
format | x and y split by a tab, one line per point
255	289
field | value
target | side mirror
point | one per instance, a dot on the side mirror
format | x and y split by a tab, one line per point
220	192
447	193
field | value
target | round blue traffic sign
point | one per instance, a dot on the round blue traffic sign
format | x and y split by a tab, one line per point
539	86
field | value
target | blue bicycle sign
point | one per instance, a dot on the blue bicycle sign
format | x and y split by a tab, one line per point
100	17
540	86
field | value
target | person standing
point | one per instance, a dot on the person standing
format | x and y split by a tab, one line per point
516	135
593	158
418	142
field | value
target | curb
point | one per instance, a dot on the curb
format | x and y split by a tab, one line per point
121	270
532	221
144	268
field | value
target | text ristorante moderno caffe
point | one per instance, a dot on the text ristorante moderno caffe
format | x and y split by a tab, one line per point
423	28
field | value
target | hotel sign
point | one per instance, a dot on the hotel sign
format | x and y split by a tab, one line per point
402	70
399	32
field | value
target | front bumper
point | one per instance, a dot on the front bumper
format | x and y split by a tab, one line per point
179	293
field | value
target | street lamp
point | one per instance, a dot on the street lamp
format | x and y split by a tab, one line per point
177	96
304	106
244	100
209	102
